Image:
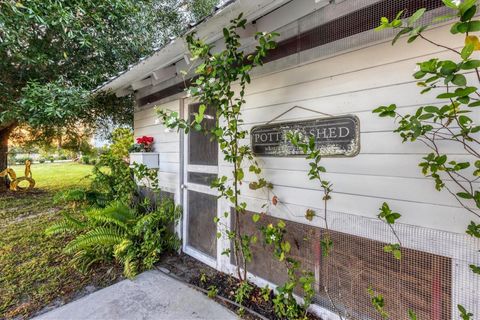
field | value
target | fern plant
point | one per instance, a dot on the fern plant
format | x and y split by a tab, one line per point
118	232
153	234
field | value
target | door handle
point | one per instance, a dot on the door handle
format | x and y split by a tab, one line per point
184	186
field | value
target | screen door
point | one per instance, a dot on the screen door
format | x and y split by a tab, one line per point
200	201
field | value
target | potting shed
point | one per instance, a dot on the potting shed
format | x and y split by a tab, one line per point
328	72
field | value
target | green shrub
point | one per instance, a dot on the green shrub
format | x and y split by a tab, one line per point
109	229
62	157
120	233
41	160
51	159
80	198
114	178
122	139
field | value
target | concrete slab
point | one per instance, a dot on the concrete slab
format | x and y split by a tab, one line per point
152	295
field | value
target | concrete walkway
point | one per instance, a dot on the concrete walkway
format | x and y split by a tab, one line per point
152	295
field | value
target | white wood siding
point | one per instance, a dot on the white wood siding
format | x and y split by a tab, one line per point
352	82
166	142
386	169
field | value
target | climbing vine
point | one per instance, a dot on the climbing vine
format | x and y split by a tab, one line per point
221	80
455	83
285	304
308	146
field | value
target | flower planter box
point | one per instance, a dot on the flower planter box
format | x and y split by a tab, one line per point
150	159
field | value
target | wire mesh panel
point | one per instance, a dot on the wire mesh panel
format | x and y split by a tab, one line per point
429	282
340	27
420	281
205	179
202	230
202	150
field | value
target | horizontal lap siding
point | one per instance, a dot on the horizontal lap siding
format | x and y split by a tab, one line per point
167	143
386	169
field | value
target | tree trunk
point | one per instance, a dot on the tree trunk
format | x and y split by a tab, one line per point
4	135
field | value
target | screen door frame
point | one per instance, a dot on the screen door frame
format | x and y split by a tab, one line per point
190	186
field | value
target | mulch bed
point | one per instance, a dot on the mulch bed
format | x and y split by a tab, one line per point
198	274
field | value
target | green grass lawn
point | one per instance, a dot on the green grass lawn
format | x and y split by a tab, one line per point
34	272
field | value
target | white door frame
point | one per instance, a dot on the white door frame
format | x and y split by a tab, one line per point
210	261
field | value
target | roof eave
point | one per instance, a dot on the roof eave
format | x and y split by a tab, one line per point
173	51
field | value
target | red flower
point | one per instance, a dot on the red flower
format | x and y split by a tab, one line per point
145	140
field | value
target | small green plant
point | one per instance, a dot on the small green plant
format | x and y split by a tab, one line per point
212	292
390	217
203	278
266	292
412	315
285	304
147	175
395	249
243	292
378	303
464	314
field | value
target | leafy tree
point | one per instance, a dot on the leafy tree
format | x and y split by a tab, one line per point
54	53
201	8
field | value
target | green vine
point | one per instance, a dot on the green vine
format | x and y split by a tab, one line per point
450	121
285	304
217	75
308	146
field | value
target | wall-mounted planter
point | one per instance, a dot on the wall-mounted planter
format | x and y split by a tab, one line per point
150	159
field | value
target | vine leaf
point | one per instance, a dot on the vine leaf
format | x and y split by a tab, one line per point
395	249
310	214
475	269
412	315
464	314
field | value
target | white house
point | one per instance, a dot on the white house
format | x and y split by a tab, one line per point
329	61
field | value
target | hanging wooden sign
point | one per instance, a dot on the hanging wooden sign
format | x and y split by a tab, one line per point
334	136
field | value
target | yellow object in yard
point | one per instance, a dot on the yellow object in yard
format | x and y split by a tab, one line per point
14	181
